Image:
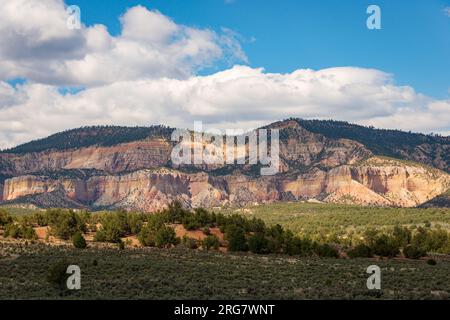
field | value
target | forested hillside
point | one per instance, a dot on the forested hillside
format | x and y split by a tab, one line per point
90	136
429	149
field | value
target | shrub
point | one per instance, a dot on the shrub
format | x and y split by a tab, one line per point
402	236
40	219
360	251
190	223
385	246
79	241
431	240
413	252
5	218
203	217
17	230
166	237
28	232
431	262
114	226
57	274
190	243
135	222
175	212
211	241
147	235
298	246
120	244
65	223
12	230
257	226
326	251
236	238
273	245
258	243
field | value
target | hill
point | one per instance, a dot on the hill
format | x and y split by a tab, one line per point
441	201
433	150
92	136
131	168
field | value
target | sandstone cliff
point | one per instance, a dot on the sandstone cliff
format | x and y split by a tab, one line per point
377	181
138	175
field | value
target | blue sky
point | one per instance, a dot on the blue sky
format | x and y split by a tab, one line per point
229	63
282	36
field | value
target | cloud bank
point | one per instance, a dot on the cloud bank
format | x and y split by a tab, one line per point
148	75
36	44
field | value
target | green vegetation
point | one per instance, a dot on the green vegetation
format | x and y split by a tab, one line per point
236	238
305	229
392	143
79	241
19	230
211	242
284	264
343	224
166	237
360	251
57	275
113	227
64	224
189	242
5	218
92	136
16	228
180	273
412	252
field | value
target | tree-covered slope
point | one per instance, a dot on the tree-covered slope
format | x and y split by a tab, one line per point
90	136
433	150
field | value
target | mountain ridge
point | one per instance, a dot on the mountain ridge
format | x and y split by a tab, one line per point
430	149
98	171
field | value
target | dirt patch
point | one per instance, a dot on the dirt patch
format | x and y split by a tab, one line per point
180	231
133	241
217	233
42	232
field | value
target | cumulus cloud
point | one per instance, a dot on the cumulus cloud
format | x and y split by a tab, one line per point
35	43
447	11
147	75
241	97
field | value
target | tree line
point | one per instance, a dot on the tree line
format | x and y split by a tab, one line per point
241	234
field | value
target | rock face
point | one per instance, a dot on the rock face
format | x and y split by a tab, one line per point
431	150
131	156
441	201
380	182
138	175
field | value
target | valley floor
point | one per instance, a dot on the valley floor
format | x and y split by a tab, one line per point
178	273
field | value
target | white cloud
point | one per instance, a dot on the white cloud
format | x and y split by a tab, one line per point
447	11
146	75
35	43
240	97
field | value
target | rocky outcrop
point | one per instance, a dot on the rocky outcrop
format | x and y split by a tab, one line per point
139	175
149	153
377	181
299	149
441	201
